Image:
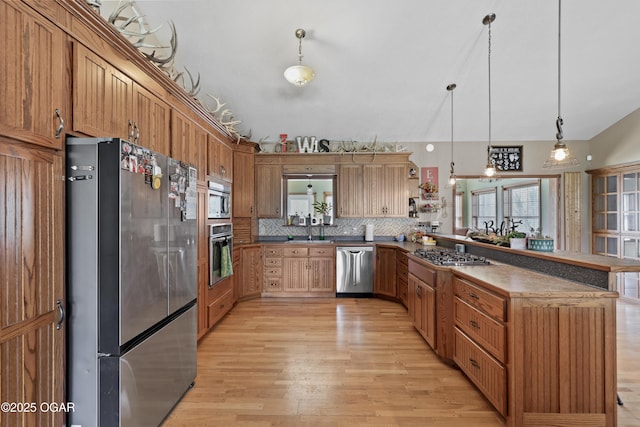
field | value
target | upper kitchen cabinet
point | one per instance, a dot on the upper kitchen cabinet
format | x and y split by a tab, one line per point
102	97
386	191
350	191
34	84
151	118
189	143
268	191
220	159
106	102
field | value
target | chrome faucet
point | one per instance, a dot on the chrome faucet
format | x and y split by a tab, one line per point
309	227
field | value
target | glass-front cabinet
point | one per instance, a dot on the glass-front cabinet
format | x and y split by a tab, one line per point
616	221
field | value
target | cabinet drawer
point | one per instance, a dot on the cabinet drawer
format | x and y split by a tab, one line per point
482	329
295	252
273	251
273	262
479	298
322	252
403	273
220	307
485	372
423	273
273	271
403	258
272	284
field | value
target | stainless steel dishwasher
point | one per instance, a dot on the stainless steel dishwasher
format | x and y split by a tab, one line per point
354	271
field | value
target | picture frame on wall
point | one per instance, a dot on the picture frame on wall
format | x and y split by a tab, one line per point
507	158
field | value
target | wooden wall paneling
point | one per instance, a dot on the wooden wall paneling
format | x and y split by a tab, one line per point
31	278
33	67
573	211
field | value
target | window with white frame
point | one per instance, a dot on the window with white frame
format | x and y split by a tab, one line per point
521	204
483	209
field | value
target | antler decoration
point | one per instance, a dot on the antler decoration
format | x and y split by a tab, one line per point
136	29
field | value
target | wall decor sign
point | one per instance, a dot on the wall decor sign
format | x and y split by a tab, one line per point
507	158
429	182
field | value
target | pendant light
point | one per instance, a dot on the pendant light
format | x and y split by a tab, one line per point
299	75
490	169
309	186
560	156
452	173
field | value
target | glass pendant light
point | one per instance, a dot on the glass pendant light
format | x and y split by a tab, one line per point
299	75
490	169
452	173
560	156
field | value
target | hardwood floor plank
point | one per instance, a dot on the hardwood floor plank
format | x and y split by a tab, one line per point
349	362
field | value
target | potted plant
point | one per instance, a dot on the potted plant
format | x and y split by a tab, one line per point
324	209
517	240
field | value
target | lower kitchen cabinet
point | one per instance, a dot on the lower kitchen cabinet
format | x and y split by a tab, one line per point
541	356
301	270
220	300
249	277
385	277
421	297
402	274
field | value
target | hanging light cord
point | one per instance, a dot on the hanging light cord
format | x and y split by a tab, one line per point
559	121
452	164
489	60
300	49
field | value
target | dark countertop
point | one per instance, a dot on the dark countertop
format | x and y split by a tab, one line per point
591	261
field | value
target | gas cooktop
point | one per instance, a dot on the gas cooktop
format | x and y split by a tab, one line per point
448	257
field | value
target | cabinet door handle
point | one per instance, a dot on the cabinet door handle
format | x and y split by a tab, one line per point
61	312
60	123
474	324
137	132
223	171
474	363
474	296
130	130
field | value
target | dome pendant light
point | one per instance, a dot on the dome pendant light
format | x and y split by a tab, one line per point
560	156
452	173
299	75
490	169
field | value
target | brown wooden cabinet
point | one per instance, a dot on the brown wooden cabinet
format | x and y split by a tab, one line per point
243	201
385	274
106	102
268	191
203	260
251	272
32	275
34	83
299	270
220	159
220	301
421	297
402	274
102	96
189	142
152	119
350	191
386	191
541	355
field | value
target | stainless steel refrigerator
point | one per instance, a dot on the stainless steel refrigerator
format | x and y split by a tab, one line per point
131	283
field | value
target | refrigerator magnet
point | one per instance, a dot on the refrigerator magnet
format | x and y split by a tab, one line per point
156	182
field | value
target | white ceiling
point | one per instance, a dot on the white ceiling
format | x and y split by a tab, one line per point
382	66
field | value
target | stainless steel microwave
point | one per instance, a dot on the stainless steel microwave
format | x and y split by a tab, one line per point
219	203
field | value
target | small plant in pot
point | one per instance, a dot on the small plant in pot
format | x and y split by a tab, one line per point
517	240
324	209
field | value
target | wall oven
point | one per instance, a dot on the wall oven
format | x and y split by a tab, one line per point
219	203
220	252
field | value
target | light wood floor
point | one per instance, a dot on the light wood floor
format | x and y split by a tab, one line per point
347	362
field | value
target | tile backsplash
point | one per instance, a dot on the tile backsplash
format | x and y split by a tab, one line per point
343	228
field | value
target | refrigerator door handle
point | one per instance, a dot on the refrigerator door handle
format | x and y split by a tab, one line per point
61	311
